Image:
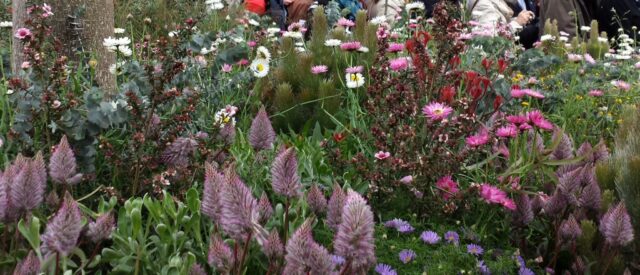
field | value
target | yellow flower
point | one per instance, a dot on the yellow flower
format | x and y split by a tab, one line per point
619	100
579	97
619	121
525	104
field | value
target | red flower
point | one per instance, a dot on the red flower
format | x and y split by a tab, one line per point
338	137
502	65
486	63
497	102
447	93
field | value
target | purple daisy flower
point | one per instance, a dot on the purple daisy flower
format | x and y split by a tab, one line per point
484	269
405	228
474	249
452	237
525	271
407	255
384	269
430	237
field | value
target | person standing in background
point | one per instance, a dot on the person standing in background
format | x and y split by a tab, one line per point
628	11
492	12
567	13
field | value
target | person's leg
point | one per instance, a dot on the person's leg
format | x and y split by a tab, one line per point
529	35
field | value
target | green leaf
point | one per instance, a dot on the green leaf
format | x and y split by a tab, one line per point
136	221
193	200
31	233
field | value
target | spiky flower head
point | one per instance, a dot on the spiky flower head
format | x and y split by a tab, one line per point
555	204
220	255
570	230
564	150
62	164
264	208
273	248
196	269
334	211
475	249
616	227
591	197
261	134
213	183
30	265
64	228
523	214
178	153
452	237
430	237
316	200
101	228
4	199
239	211
354	240
304	255
28	185
384	269
284	174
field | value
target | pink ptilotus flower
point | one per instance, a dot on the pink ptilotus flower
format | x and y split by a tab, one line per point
213	183
354	70
316	200
350	46
334	211
616	226
62	164
220	255
261	134
570	229
395	47
29	182
101	228
537	118
22	33
197	269
398	64
284	174
239	211
479	139
29	265
436	111
64	228
227	68
265	210
596	93
509	131
621	85
179	153
523	214
448	186
319	69
345	22
381	155
354	240
272	247
304	255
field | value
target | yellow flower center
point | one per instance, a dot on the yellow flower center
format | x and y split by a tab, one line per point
260	67
438	111
226	120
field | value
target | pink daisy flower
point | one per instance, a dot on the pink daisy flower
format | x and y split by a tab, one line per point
596	93
519	119
436	111
449	186
251	43
395	47
345	22
508	204
243	62
637	65
537	118
478	139
509	131
227	68
320	69
46	9
517	93
492	194
525	126
350	46
398	64
533	93
354	70
532	80
621	85
22	33
574	57
382	155
407	179
589	59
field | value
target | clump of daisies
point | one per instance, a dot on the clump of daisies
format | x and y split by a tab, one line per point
354	77
118	45
225	116
260	65
214	5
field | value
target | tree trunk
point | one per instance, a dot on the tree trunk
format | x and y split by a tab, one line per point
19	15
82	26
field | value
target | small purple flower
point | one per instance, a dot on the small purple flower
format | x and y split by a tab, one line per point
525	271
407	228
430	237
407	255
484	269
227	68
452	237
384	269
474	249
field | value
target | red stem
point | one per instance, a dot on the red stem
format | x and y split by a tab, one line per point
244	252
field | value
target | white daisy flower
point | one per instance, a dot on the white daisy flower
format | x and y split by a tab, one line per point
273	31
173	34
6	24
547	37
585	28
123	41
263	53
9	91
354	80
332	43
363	49
253	22
118	30
603	40
296	35
260	67
414	5
110	43
563	33
564	38
300	49
378	20
125	50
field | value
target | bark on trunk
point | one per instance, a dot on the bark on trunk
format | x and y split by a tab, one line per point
19	15
82	26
